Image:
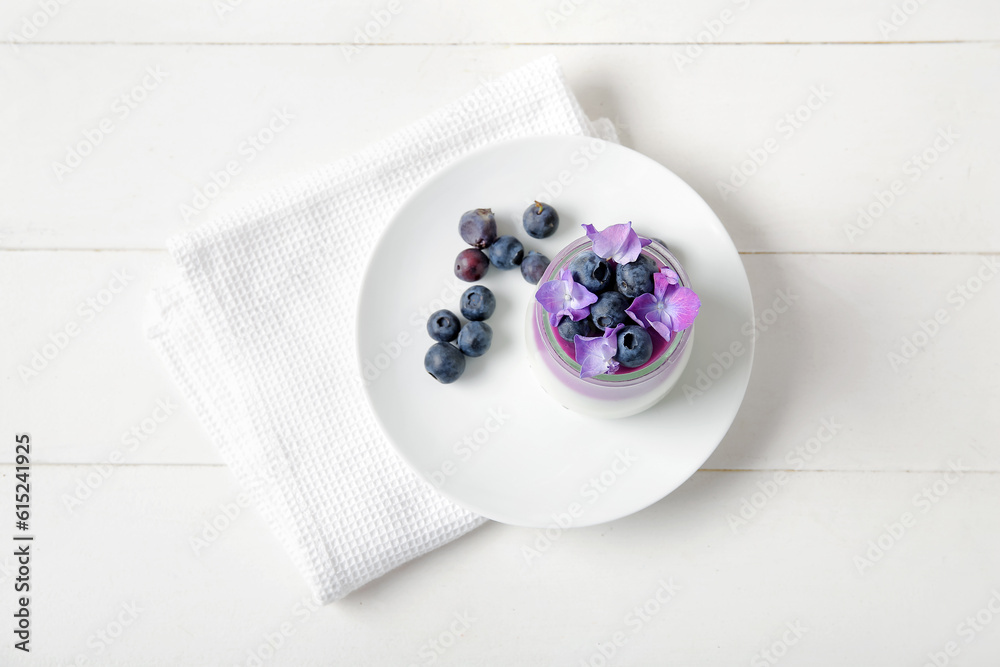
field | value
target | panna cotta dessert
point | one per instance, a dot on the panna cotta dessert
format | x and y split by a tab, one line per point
610	329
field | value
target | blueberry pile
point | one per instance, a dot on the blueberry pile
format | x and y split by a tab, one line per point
445	360
478	228
616	286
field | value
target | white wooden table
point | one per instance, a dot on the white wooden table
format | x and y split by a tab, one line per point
829	527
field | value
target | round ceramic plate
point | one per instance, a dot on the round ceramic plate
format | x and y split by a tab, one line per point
494	441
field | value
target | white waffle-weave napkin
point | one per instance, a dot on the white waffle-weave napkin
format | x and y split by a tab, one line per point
258	331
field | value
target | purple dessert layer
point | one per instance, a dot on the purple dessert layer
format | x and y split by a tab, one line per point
659	346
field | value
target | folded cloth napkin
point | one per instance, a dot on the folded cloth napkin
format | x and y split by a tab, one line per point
258	330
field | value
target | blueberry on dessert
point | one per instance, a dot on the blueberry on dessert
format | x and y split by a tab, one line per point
569	329
591	271
635	278
634	346
609	311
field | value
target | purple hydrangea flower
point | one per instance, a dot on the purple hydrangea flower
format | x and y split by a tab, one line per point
617	242
595	354
670	308
564	296
672	277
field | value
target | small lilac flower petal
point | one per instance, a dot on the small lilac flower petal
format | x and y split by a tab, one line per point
669	308
580	296
661	328
585	346
630	250
616	240
661	285
611	338
672	277
563	296
641	306
593	365
595	354
575	314
552	295
681	307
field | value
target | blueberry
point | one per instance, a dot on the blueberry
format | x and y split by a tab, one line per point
569	329
636	277
634	346
475	338
591	271
478	227
443	326
478	303
609	311
540	220
506	253
471	265
444	362
533	266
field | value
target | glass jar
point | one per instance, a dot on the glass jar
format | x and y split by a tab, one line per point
625	392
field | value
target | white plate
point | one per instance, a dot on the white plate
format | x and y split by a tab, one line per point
494	441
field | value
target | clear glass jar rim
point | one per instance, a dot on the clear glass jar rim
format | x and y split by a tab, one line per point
673	352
